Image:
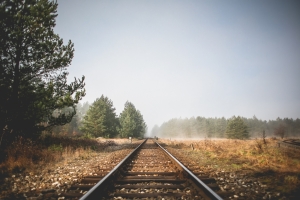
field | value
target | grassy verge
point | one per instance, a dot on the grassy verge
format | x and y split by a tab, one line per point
279	168
25	154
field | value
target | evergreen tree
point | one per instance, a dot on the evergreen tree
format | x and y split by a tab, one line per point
33	69
210	128
132	123
221	127
100	120
237	129
201	126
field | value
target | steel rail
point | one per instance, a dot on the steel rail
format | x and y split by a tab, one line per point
208	191
96	191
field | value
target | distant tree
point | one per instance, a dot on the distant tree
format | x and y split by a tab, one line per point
201	126
72	128
132	123
264	136
155	130
210	128
280	131
237	129
101	120
81	110
221	127
73	125
33	70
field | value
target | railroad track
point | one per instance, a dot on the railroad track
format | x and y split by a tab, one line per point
294	143
149	172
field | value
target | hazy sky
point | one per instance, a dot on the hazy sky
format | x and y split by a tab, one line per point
176	59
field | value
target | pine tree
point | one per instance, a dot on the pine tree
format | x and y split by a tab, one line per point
237	129
33	69
132	123
100	120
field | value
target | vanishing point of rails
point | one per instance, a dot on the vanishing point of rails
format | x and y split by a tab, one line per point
148	172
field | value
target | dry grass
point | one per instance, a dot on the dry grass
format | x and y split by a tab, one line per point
25	154
246	154
276	166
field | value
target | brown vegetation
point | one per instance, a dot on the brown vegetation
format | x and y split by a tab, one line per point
279	167
25	154
250	154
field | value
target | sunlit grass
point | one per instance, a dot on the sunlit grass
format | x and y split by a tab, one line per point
273	165
252	153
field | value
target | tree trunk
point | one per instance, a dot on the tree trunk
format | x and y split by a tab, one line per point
15	104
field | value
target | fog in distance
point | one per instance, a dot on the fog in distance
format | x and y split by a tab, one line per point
175	59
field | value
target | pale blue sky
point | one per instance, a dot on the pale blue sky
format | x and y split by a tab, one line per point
187	58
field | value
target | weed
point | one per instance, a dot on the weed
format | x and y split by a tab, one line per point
88	136
264	137
55	147
236	166
259	146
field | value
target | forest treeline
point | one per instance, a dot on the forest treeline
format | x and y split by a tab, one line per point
201	127
100	120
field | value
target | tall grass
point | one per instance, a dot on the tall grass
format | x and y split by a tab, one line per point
250	154
25	154
273	165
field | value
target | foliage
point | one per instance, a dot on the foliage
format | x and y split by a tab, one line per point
54	142
101	120
88	136
33	70
132	123
72	128
237	129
